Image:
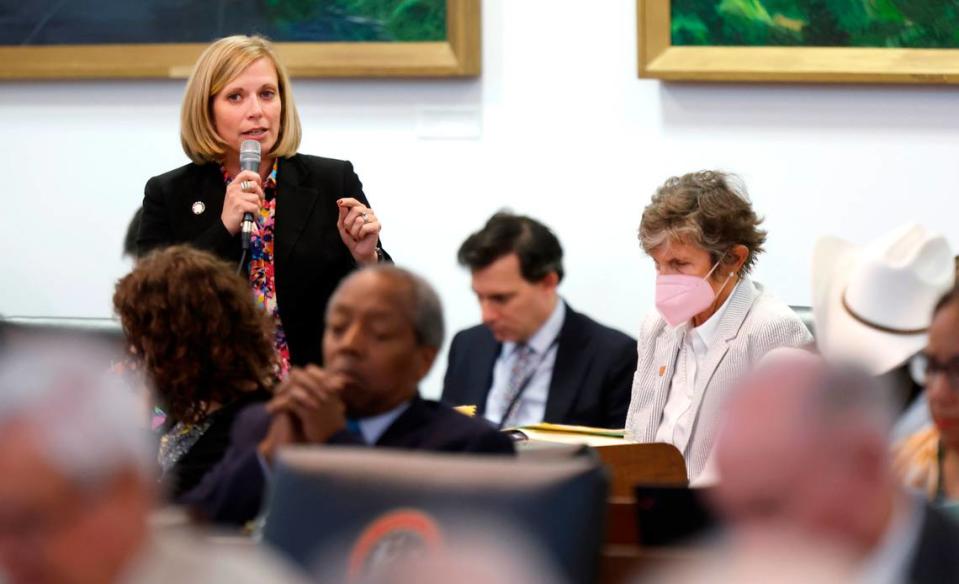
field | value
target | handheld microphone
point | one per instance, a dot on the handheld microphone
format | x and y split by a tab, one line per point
249	160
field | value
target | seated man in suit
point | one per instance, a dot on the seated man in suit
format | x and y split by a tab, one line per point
534	358
384	326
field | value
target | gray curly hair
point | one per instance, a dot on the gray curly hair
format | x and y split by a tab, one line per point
710	209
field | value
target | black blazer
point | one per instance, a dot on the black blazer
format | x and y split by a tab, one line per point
592	377
233	491
310	258
935	558
187	472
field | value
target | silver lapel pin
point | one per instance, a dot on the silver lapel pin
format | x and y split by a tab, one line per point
198	207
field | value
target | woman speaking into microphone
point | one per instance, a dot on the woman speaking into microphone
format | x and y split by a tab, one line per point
311	225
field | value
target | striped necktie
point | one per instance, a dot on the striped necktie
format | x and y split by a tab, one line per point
517	376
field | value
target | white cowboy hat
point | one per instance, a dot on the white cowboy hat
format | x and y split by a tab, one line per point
872	304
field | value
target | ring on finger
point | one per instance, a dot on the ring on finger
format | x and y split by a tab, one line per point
246	186
365	216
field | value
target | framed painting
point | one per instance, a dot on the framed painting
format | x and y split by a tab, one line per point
50	39
817	41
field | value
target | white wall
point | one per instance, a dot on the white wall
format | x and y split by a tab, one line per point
569	134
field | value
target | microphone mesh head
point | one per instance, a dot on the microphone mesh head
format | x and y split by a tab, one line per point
250	155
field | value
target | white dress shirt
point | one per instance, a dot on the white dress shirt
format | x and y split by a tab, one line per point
531	406
679	415
373	427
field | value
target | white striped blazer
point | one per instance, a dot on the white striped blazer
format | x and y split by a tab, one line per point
753	323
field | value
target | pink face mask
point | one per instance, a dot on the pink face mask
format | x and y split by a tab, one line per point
680	297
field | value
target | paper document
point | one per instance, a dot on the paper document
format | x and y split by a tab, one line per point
547	427
573	434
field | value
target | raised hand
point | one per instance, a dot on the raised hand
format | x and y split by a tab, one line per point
359	229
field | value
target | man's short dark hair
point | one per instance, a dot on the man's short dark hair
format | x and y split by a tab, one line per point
536	246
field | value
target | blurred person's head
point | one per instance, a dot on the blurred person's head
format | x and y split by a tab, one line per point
873	303
516	264
384	327
239	90
699	228
804	447
941	358
194	324
768	554
76	482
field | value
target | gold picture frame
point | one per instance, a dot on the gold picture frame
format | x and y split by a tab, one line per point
457	56
658	59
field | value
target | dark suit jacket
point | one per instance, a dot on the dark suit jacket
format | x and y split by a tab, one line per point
592	376
936	557
210	448
233	491
309	256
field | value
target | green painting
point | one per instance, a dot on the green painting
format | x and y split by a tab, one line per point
386	20
106	22
911	24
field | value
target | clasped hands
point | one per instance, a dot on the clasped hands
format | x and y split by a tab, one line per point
306	409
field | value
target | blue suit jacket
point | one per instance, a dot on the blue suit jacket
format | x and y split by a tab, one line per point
592	378
232	492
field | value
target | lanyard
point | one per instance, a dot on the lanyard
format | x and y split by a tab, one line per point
526	381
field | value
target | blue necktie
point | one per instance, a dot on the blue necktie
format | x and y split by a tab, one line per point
353	427
517	380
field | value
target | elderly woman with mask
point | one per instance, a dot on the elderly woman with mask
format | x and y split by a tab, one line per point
712	322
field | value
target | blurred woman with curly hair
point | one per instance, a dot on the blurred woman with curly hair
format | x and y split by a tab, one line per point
205	347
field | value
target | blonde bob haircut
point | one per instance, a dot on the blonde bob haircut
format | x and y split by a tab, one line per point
219	64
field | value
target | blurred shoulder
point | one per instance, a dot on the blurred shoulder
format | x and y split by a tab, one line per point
320	163
473	334
600	335
772	317
463	429
768	307
187	172
182	554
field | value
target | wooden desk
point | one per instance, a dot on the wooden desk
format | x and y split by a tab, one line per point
621	564
632	464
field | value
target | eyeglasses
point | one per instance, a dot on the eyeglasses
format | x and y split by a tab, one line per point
931	367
